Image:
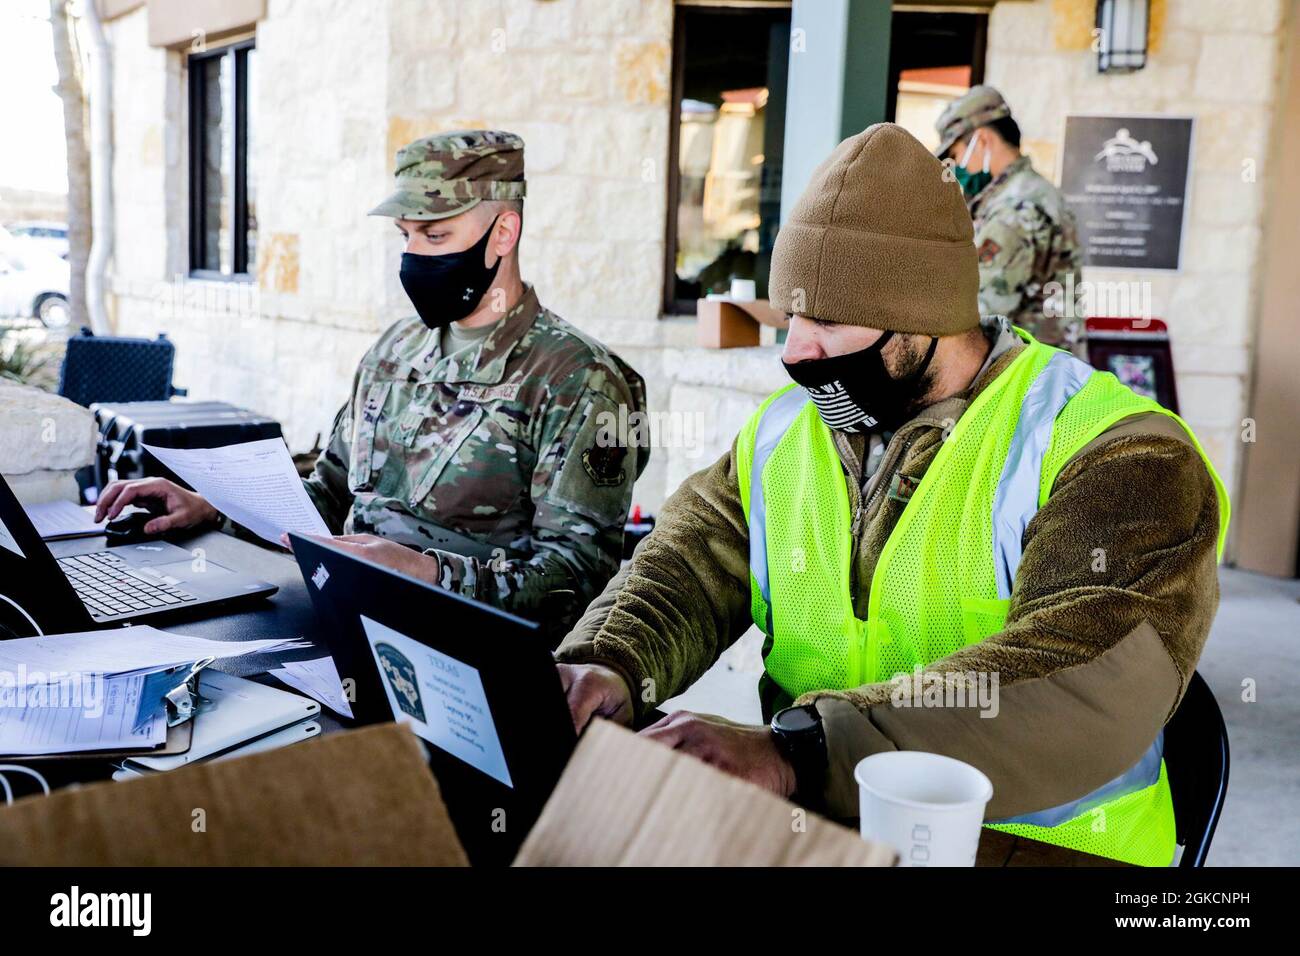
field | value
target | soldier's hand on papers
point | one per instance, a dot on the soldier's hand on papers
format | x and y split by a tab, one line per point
390	554
175	506
742	750
595	691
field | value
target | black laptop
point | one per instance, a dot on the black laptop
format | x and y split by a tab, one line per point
477	684
92	585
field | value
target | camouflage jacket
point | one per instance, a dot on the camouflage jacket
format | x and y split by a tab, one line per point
1025	237
497	465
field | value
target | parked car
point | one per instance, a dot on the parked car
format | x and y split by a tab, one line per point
44	233
33	283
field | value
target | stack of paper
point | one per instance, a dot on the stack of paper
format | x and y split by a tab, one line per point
84	713
98	690
122	651
55	520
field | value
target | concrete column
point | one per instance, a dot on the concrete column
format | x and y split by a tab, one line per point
839	68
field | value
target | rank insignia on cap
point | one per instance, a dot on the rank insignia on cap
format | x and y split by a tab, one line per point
605	465
988	251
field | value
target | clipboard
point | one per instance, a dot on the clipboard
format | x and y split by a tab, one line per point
178	742
180	692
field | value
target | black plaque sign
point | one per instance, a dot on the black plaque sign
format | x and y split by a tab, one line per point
1125	177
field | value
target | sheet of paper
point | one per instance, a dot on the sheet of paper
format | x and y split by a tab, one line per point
78	715
318	679
254	483
120	651
440	697
8	542
63	519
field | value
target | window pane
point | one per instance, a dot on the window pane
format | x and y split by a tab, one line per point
250	127
217	147
730	139
223	241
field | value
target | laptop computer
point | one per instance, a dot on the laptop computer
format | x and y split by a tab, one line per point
479	685
92	585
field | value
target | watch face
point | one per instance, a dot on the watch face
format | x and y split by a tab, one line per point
797	719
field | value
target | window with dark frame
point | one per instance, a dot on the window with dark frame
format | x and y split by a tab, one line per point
727	138
223	208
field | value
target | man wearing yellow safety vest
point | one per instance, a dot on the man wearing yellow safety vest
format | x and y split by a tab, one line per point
933	496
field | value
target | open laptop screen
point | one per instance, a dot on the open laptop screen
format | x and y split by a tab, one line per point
33	591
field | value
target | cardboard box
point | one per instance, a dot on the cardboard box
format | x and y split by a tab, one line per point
367	797
364	797
625	801
729	324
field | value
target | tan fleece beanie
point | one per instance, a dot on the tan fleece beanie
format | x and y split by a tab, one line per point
879	238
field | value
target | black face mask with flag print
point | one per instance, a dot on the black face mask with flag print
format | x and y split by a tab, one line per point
854	392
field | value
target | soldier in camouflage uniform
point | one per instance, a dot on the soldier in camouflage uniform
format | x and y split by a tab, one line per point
479	455
1025	235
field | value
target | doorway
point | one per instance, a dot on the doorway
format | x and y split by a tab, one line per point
934	57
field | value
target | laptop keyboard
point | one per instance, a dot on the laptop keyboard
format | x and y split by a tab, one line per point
108	586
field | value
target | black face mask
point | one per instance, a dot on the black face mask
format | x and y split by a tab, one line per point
854	392
446	288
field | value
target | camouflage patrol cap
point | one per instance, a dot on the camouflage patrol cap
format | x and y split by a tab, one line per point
446	174
978	106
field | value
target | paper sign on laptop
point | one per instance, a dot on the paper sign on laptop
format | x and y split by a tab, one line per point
254	483
440	697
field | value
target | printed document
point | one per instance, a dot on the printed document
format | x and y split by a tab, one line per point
254	483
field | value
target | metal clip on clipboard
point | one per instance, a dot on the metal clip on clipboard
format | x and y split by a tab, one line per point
183	699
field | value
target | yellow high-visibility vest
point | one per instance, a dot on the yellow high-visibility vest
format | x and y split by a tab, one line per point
944	577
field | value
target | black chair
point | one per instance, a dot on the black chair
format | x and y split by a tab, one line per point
1196	760
103	368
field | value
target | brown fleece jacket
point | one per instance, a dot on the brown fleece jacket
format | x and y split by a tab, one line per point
1110	608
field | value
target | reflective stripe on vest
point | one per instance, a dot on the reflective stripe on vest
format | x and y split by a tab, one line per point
771	428
1143	774
1016	500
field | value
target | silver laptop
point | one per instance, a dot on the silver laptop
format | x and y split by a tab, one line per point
92	584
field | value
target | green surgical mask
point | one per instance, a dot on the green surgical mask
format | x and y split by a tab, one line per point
972	184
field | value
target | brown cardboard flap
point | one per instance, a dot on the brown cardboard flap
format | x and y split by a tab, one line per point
625	801
361	797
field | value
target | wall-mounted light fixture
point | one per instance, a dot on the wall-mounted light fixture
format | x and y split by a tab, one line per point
1122	35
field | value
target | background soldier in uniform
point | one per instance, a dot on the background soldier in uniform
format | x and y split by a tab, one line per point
474	451
1025	235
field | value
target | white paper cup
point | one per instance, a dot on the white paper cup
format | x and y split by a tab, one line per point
743	290
926	806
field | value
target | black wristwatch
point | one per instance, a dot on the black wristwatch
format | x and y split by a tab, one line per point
802	741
